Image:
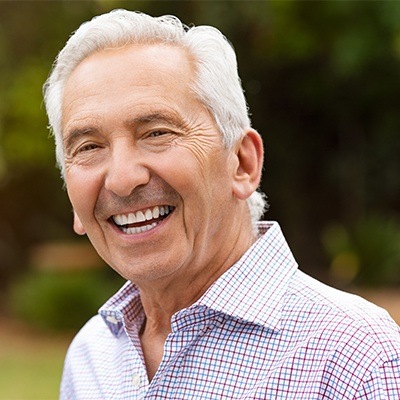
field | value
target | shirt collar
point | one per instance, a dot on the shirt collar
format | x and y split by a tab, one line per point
125	306
252	289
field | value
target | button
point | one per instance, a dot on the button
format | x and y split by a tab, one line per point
136	380
112	319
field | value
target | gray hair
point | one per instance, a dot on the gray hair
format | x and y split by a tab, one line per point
217	84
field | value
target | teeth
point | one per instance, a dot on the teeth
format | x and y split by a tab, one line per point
131	219
148	215
119	219
139	229
141	216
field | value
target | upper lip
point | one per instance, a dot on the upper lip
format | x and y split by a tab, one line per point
142	215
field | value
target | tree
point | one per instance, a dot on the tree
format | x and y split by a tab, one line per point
323	85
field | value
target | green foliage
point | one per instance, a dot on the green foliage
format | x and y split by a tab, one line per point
24	141
323	84
368	253
61	299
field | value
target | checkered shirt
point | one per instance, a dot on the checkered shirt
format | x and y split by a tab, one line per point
263	330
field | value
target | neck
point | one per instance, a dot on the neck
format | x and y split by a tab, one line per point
162	299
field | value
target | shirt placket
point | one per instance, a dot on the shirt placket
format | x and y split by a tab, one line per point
186	330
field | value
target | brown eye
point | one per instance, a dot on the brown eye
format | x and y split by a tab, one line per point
87	147
158	133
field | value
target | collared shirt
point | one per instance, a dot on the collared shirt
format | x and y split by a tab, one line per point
263	330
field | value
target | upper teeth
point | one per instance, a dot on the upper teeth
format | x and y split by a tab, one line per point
141	216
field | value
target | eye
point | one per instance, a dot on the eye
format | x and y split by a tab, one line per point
158	133
87	147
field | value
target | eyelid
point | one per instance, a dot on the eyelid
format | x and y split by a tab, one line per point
85	147
75	136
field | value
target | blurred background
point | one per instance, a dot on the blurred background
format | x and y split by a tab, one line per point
322	80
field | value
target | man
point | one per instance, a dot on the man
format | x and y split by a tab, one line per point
162	169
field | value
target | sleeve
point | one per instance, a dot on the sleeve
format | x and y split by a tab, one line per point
383	383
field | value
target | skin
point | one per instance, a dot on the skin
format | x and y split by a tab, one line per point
135	137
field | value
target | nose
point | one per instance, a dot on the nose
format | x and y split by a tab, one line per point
125	171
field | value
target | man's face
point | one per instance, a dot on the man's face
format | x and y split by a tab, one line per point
148	177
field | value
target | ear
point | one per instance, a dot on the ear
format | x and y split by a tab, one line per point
250	155
78	227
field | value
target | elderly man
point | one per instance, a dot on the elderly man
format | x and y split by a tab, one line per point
162	168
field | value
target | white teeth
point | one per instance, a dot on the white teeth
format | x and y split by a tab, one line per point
131	219
119	219
140	217
139	229
122	220
148	215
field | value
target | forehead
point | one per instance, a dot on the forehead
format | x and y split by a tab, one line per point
160	56
131	76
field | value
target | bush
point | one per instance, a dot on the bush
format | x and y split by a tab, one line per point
62	299
366	254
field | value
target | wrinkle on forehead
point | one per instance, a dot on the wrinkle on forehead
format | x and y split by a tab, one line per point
172	60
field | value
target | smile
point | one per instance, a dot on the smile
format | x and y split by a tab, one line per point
143	220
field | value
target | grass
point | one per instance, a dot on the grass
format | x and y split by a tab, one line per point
30	362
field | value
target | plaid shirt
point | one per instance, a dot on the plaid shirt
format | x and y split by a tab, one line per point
264	330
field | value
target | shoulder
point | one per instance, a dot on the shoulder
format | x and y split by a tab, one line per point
347	319
94	352
92	336
353	344
95	336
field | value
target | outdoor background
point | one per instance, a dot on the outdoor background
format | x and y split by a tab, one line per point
322	81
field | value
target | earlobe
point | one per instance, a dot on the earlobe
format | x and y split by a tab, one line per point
78	227
250	156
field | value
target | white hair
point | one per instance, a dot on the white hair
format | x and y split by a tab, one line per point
216	84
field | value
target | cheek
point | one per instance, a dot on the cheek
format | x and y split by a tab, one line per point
200	181
82	191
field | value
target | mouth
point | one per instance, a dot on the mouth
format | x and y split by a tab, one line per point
143	220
